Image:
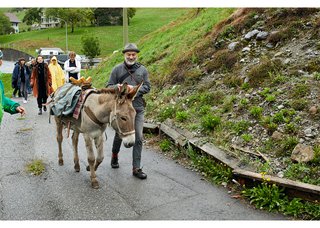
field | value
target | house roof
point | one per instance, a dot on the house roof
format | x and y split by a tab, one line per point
12	17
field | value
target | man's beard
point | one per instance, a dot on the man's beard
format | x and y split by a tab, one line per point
130	62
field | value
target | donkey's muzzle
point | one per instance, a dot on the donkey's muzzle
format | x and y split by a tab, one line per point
129	140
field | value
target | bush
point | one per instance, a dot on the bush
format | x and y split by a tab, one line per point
210	122
240	127
256	112
166	112
263	71
182	116
266	196
90	46
165	145
223	60
299	104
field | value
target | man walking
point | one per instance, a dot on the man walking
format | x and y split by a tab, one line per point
133	73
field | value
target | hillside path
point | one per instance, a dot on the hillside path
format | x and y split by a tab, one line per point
170	192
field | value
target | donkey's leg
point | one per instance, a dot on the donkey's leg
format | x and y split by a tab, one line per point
75	140
59	139
91	159
99	145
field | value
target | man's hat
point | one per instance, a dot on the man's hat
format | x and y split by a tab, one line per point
130	47
1	54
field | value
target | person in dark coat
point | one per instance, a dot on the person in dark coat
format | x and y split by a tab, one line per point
21	79
132	72
41	83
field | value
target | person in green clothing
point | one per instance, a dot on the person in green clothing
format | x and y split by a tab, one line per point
7	104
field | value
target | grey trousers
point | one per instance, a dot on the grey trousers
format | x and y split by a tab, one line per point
24	90
137	148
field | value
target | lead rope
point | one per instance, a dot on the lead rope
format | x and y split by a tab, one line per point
114	117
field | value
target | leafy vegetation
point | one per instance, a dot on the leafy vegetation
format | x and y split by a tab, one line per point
36	167
110	35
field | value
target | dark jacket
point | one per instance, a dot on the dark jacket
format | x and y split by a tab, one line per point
140	74
16	75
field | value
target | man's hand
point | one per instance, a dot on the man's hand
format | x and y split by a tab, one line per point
21	110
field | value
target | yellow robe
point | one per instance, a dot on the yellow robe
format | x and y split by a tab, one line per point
57	74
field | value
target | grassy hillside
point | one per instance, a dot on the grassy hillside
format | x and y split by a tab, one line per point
110	37
163	47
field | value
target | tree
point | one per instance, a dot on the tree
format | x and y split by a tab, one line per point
33	15
108	16
90	46
131	12
71	15
111	16
5	25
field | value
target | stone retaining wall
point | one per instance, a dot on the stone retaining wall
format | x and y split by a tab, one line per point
10	54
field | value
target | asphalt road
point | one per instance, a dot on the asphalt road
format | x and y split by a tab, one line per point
170	192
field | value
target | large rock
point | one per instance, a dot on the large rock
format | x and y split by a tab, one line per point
262	35
232	46
251	34
302	153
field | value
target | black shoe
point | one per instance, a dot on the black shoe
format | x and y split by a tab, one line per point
139	174
40	111
45	108
114	162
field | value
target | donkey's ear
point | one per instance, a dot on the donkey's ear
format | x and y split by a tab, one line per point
121	90
133	92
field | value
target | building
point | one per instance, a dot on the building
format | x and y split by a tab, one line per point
14	21
48	22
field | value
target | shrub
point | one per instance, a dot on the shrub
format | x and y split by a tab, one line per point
243	103
240	127
165	145
299	104
291	128
256	111
270	98
232	81
247	137
182	116
166	112
210	122
300	90
262	72
204	109
287	145
36	167
90	46
245	86
223	59
266	196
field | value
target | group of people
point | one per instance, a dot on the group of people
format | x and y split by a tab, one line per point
46	79
42	78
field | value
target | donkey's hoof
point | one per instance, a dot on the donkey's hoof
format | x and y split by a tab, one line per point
88	168
77	168
95	185
60	162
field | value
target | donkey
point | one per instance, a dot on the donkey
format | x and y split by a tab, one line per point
106	106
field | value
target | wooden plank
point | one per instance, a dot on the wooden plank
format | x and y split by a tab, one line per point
175	135
216	153
151	128
314	189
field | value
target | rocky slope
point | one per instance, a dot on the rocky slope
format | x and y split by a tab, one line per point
254	88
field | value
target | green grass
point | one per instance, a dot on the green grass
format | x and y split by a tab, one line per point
162	48
6	80
110	37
